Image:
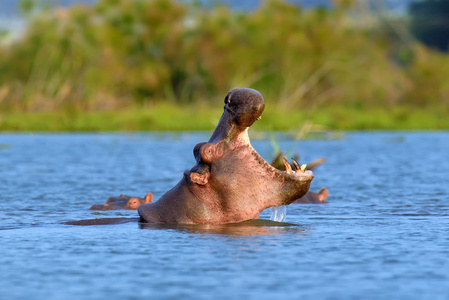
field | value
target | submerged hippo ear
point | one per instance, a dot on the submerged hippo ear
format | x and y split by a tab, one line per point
148	198
198	178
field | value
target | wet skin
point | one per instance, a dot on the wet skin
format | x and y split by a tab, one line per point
123	202
313	198
230	182
132	203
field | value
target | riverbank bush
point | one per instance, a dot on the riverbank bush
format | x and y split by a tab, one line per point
118	55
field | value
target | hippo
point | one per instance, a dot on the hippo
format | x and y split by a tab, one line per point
230	182
123	202
132	203
313	198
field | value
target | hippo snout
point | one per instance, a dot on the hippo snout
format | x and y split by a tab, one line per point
246	106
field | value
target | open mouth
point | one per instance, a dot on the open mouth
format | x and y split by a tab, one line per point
242	108
296	170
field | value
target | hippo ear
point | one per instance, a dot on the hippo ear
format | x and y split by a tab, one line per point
148	198
198	178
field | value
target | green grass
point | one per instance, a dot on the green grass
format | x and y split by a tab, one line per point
170	117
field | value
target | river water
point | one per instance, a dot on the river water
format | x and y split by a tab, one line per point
383	234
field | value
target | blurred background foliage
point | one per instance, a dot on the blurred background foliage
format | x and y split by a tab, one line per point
120	64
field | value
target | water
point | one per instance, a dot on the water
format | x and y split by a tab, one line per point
383	235
278	213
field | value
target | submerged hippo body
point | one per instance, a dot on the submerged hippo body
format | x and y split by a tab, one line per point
230	182
123	202
313	198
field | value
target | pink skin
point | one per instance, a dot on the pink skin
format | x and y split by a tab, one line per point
132	203
311	197
124	202
231	182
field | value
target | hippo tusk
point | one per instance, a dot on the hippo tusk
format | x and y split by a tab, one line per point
296	165
287	166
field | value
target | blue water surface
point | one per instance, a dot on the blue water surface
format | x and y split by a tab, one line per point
383	235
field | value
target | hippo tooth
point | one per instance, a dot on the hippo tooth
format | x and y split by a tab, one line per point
287	166
295	165
303	167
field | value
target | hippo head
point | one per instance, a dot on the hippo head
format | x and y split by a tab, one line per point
230	182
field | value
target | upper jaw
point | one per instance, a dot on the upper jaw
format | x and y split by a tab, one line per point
242	108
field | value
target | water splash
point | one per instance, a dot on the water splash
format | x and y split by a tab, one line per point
278	213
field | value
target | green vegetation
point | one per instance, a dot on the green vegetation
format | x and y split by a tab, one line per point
170	117
165	65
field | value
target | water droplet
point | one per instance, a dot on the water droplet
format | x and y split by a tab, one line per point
278	213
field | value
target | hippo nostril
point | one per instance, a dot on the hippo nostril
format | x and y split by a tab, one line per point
227	99
228	108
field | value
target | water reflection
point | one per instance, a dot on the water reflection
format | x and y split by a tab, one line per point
101	221
247	228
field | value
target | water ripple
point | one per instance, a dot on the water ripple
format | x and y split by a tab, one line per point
382	235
